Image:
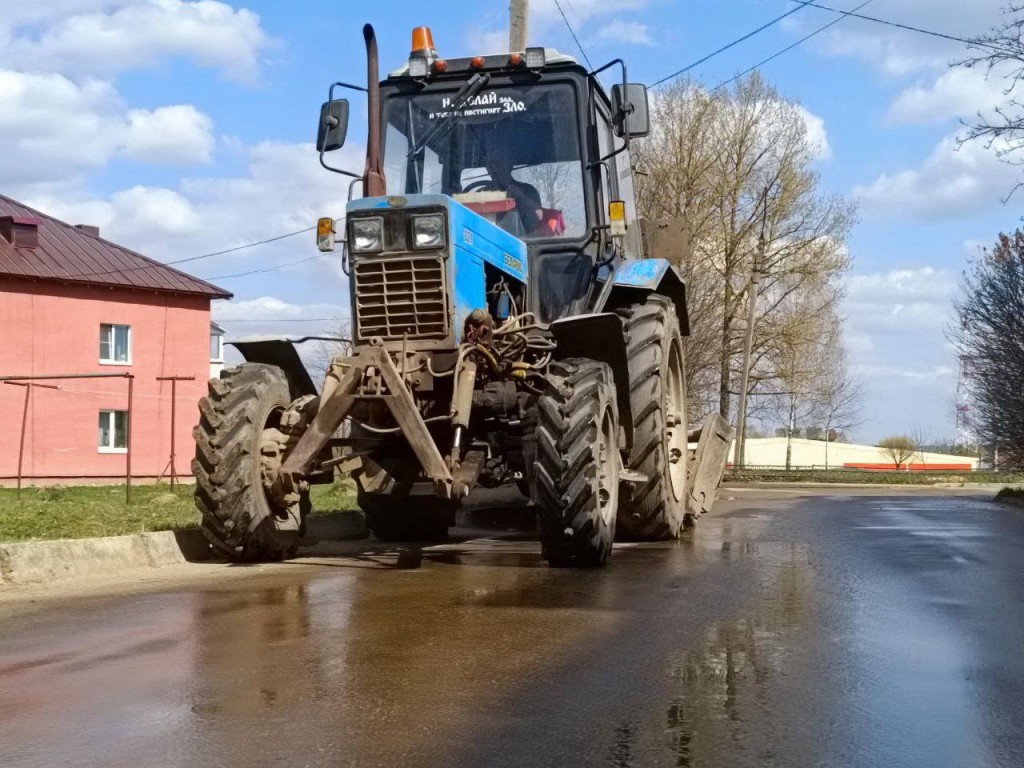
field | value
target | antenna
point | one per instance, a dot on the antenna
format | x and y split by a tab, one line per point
965	436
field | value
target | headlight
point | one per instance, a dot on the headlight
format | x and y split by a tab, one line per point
367	235
428	231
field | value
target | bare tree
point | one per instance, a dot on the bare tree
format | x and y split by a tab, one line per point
337	342
899	448
989	335
1000	53
839	393
732	166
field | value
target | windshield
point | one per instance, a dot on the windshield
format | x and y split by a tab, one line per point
511	153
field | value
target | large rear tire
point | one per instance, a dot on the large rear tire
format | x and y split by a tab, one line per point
656	510
577	463
237	439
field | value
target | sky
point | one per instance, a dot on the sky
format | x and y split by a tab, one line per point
185	127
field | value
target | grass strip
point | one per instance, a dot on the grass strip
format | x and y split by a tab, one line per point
79	512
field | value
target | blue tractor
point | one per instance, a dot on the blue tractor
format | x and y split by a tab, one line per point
506	327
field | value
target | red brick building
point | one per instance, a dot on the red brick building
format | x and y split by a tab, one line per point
74	303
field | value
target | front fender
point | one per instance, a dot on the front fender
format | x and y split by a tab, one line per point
636	278
599	337
282	353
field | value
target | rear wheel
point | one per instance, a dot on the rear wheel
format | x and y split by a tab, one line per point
392	514
656	510
577	463
239	447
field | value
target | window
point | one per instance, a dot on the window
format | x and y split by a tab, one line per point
519	141
216	347
113	434
116	344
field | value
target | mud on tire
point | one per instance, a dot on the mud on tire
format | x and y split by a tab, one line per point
238	519
656	510
576	463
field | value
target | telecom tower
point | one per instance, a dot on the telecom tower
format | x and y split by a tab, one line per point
965	437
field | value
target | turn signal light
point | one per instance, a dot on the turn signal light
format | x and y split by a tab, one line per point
477	62
440	66
617	218
515	60
325	234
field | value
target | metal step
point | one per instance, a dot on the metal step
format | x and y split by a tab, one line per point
632	476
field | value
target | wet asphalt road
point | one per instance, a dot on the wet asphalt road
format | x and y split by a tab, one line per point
792	629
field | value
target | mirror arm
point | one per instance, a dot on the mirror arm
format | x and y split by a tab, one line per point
344	85
342	171
330	97
627	107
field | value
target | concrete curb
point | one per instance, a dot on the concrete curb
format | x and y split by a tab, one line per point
32	562
888	486
35	562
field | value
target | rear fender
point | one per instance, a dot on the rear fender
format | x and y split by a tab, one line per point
282	353
636	278
599	337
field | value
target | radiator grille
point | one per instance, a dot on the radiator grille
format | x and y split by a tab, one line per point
399	296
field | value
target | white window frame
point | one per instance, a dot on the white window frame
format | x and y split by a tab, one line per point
109	413
114	326
219	358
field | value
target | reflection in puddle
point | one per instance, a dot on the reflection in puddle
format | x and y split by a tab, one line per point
720	712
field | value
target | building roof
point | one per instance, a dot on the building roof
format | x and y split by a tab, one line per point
67	254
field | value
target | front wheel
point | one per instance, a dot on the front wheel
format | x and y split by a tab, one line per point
239	446
577	463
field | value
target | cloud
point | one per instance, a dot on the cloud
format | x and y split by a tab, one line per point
282	189
103	38
958	92
897	375
177	134
895	336
619	31
546	22
54	129
817	133
954	182
900	301
900	52
272	317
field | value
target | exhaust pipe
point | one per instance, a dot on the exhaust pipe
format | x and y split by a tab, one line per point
374	176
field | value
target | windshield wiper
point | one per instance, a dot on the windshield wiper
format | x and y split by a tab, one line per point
462	96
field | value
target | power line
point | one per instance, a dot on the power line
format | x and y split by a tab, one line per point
572	32
281	320
787	49
246	245
267	269
896	24
157	264
726	47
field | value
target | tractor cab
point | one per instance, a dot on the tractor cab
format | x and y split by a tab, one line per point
531	142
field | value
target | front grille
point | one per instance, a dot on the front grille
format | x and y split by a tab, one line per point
401	296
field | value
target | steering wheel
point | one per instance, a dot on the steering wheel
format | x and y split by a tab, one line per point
483	185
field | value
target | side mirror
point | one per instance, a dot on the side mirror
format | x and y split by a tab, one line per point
333	125
630	101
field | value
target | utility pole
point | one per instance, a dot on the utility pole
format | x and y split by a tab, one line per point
748	342
518	32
